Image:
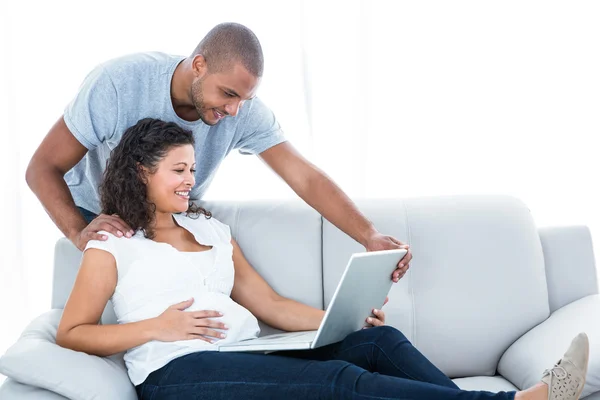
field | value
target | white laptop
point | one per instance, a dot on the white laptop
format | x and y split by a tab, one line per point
363	287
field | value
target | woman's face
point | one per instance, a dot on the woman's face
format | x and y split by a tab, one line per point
169	187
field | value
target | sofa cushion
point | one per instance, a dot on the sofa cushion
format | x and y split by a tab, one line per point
493	384
476	282
37	360
12	389
539	349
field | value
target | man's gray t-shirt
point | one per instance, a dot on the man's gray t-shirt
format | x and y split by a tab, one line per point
120	92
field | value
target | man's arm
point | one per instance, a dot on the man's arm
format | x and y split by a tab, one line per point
321	193
57	154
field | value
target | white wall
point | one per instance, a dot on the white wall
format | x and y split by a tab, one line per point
12	304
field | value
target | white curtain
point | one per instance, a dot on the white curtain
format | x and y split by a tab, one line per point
13	304
391	99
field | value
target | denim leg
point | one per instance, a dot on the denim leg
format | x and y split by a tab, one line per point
87	215
214	375
384	350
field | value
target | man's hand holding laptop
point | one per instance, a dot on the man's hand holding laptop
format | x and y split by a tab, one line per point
379	241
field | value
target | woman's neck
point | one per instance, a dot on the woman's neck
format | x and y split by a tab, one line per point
163	221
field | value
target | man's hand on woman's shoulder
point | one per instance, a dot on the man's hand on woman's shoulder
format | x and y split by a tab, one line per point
109	223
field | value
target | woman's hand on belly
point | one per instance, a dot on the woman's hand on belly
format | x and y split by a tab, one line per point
176	324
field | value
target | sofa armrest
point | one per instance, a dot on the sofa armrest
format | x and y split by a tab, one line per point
540	348
570	265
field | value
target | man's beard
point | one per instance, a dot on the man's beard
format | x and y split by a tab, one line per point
198	100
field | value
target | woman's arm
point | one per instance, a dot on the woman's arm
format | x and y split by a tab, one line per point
96	281
79	330
254	293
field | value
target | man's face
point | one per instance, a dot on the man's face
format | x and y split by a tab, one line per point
222	94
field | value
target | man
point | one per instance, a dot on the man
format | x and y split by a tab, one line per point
212	93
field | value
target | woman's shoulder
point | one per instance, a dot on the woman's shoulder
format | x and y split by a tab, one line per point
206	223
117	244
109	243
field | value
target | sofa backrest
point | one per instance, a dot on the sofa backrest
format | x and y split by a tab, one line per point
281	240
476	283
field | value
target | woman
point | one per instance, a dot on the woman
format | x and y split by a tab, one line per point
174	293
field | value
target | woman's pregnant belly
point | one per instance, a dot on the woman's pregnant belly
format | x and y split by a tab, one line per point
241	323
150	356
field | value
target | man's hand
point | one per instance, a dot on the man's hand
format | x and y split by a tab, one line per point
383	242
378	317
103	222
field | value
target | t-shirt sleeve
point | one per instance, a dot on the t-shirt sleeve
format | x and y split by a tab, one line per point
92	115
261	130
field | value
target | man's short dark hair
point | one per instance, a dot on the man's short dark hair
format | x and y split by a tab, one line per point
228	43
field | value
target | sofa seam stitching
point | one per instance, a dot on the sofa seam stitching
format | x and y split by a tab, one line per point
410	282
237	220
322	262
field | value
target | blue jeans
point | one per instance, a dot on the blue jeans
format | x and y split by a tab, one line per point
87	215
376	363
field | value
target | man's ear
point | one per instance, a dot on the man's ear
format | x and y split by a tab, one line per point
199	66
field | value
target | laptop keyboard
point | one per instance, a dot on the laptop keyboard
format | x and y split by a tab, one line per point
285	335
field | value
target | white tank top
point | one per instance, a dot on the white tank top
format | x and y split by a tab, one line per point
204	261
153	276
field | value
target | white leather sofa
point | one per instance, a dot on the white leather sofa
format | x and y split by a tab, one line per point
490	299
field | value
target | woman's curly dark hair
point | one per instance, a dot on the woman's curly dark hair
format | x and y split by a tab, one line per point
123	189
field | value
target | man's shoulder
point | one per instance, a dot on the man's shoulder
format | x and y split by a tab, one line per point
251	113
139	65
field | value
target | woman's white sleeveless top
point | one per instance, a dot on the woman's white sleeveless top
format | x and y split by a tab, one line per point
153	276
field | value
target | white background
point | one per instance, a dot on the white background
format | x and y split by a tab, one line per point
391	99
